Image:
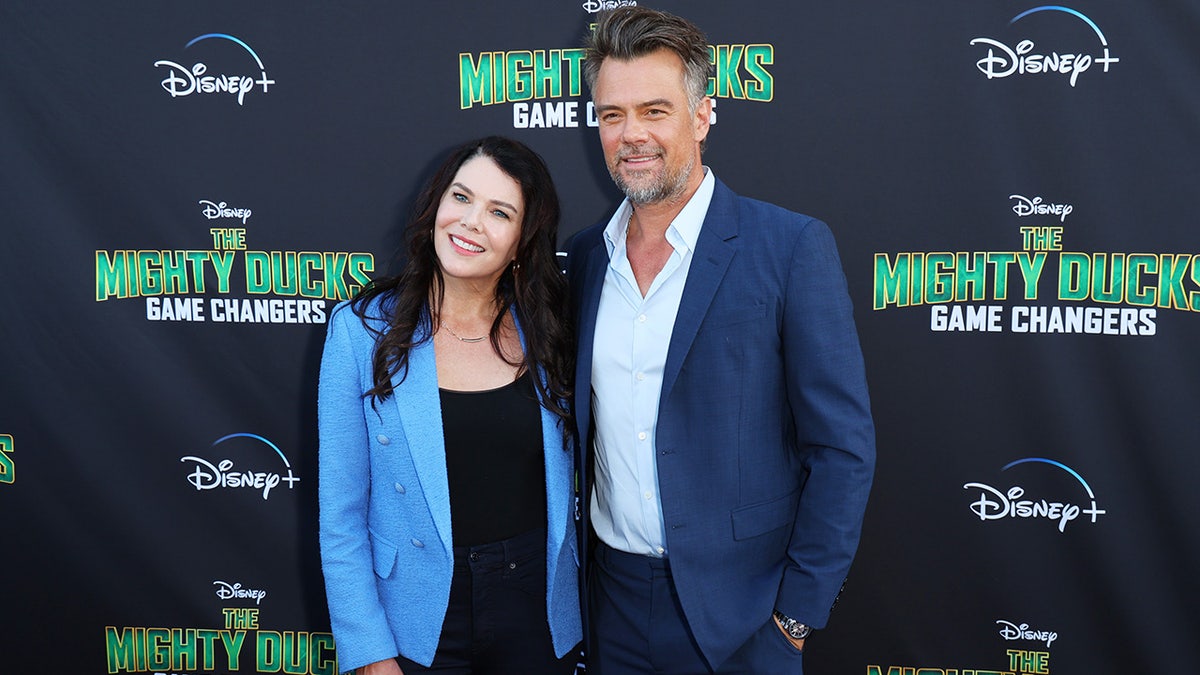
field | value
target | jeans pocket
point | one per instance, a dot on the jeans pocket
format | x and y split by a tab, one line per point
527	574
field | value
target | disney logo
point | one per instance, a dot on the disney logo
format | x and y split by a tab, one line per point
209	476
594	6
994	505
1011	631
227	591
1020	61
1002	60
1035	207
182	81
214	210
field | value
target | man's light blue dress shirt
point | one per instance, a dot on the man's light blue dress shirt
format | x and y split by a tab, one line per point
628	359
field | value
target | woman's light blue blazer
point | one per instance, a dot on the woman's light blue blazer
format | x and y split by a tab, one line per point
386	546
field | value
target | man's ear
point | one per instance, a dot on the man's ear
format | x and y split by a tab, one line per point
701	121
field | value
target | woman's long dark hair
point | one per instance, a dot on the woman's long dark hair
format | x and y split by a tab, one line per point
534	287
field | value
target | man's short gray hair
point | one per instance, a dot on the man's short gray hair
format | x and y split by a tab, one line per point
629	32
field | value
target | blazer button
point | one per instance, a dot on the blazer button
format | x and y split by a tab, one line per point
418	543
383	440
399	488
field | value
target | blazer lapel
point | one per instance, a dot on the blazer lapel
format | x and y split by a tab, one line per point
595	265
557	463
558	476
420	408
710	261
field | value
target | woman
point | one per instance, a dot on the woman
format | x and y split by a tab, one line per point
445	472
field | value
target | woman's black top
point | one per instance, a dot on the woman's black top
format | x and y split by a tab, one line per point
494	462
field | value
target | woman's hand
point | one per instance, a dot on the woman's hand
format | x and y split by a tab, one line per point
385	667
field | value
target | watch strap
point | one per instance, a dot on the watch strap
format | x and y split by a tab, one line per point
797	630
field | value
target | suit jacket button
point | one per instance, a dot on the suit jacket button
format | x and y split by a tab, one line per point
383	440
399	488
418	543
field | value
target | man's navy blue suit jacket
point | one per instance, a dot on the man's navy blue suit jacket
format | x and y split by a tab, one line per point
766	447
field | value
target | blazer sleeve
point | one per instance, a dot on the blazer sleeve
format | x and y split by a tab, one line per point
356	614
827	392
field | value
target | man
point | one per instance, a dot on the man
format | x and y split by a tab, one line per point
720	393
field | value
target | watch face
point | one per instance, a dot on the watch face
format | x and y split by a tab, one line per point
792	627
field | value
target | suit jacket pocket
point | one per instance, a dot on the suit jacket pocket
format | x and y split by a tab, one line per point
755	519
383	555
720	318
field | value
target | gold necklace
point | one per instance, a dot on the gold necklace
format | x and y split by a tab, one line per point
461	338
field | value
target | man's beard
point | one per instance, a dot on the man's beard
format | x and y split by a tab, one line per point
663	187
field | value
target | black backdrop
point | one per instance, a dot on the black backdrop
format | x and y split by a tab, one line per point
169	259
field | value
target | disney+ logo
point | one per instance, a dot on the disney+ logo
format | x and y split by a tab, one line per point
184	81
222	474
995	504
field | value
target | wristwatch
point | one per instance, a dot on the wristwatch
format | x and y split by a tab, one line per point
792	627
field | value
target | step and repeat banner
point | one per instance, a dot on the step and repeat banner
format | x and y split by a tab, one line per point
187	189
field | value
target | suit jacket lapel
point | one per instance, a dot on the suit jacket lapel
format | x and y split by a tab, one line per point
420	409
710	261
595	265
558	474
